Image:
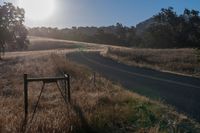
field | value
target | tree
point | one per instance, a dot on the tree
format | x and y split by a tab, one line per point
121	32
12	28
132	38
189	29
167	16
174	31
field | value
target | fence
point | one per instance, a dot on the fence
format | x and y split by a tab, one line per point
66	95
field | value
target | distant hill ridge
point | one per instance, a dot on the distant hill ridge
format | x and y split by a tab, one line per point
142	26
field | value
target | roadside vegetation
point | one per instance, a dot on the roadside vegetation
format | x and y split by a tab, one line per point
184	61
103	107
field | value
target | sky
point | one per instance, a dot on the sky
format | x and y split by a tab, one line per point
68	13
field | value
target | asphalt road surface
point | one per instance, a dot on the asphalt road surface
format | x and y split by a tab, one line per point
182	92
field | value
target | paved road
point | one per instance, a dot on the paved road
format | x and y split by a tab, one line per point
179	91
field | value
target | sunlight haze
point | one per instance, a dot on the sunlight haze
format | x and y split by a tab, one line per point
68	13
37	9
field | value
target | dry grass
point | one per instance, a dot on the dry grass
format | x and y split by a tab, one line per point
41	43
175	60
104	108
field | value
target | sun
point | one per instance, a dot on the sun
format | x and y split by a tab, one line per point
37	9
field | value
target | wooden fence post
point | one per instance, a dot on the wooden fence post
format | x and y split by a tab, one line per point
94	79
68	84
25	96
65	86
66	79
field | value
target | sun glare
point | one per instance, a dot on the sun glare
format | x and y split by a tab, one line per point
37	9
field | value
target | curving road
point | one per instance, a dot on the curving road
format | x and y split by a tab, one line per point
179	91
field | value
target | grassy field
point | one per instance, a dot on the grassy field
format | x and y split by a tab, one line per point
38	43
49	44
102	108
183	61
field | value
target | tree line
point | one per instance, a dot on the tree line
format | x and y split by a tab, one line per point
166	29
115	34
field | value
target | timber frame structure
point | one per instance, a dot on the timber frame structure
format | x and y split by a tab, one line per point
66	95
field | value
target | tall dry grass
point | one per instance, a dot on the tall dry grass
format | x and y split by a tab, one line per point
102	107
183	61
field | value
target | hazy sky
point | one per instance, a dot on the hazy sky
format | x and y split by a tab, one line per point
68	13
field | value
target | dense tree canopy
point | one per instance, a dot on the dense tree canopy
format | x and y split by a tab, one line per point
12	31
175	31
